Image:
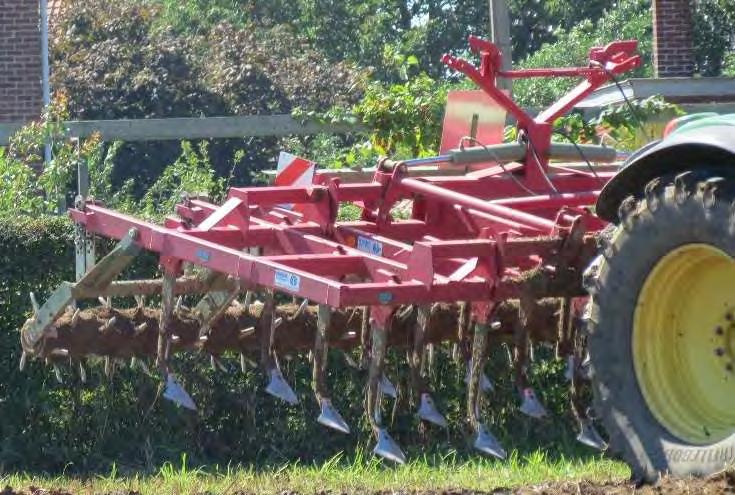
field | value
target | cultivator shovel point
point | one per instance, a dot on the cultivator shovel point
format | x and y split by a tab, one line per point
174	392
486	258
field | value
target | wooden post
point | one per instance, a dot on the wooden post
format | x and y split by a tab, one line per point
500	35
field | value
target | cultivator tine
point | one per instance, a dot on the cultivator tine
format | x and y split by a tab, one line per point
365	337
82	372
427	410
23	361
530	404
589	436
484	441
385	447
486	385
279	388
277	385
175	393
57	374
387	387
328	415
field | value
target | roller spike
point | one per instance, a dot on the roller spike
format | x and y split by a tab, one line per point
108	324
585	370
179	304
589	436
105	301
139	329
60	353
279	388
350	361
34	303
428	411
302	307
247	332
140	301
82	372
217	364
387	387
331	418
405	313
387	448
486	443
175	339
248	300
144	367
175	393
23	361
75	317
530	405
349	336
109	367
277	322
57	374
243	363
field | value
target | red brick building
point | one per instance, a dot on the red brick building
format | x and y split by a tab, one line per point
20	60
673	53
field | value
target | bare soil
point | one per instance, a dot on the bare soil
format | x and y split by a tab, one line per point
723	483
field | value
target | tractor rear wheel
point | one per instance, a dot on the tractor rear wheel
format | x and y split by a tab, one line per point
661	327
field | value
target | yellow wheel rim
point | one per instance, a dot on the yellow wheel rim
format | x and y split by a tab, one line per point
683	341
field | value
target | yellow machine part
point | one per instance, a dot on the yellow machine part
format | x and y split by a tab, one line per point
683	337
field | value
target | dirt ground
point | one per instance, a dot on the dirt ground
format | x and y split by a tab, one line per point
719	484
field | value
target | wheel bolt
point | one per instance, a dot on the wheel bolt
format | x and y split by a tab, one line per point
720	351
728	367
719	331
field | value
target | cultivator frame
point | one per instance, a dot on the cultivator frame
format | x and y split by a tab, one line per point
520	228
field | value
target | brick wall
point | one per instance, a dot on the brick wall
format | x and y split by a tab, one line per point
20	60
672	38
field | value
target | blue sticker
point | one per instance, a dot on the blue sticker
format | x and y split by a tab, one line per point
286	280
203	255
385	297
370	246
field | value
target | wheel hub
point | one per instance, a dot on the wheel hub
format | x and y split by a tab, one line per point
725	341
684	370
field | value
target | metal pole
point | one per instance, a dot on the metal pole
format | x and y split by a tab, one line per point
500	35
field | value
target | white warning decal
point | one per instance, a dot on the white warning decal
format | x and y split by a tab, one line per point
369	246
286	280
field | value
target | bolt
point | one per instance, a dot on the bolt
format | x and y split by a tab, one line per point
720	351
729	367
728	316
719	331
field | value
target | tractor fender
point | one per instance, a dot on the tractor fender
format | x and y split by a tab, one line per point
709	146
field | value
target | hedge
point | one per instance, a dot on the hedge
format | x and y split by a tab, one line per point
75	427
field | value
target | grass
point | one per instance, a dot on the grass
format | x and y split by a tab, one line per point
339	475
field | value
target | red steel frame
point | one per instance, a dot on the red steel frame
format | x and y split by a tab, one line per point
465	233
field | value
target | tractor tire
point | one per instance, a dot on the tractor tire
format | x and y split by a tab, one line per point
661	327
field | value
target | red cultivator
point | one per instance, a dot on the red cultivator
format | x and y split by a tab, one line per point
495	254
